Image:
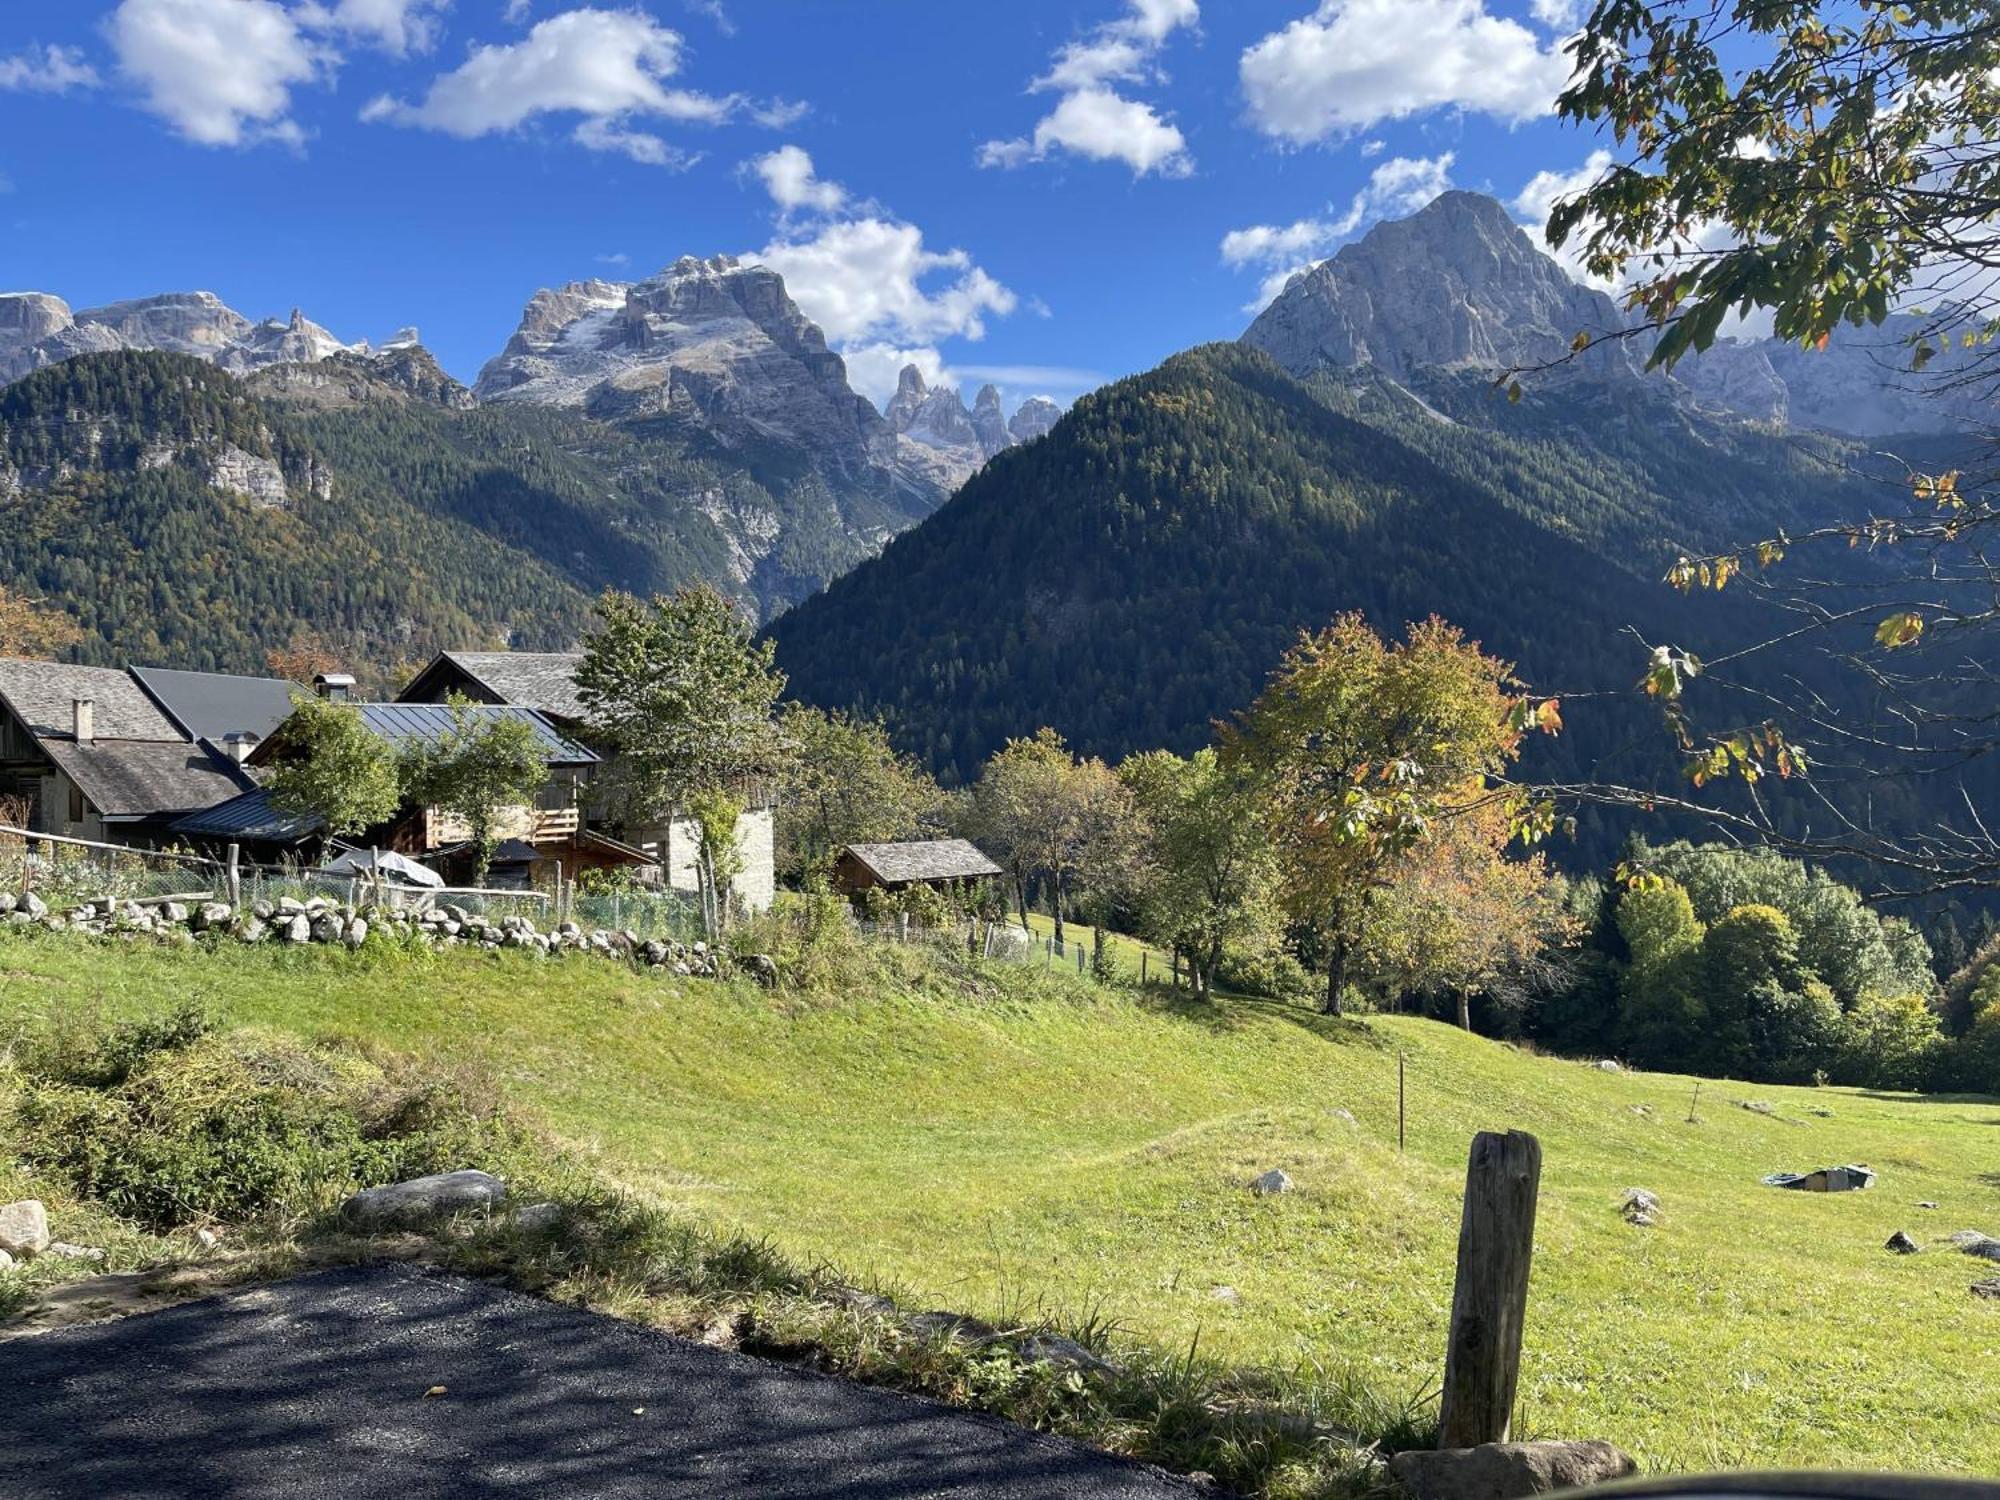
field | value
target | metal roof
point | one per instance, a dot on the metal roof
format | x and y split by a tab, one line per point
924	859
148	778
249	818
429	723
544	680
211	705
43	694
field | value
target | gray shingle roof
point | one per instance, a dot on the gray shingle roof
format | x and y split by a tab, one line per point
248	818
544	680
42	695
148	778
924	859
428	723
210	705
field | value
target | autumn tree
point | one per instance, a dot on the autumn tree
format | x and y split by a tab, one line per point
1045	814
1360	750
305	656
1209	879
1458	916
332	766
844	783
484	764
29	628
1827	165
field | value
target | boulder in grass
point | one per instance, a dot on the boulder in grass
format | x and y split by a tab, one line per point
24	1228
1900	1243
1987	1289
1508	1471
424	1198
1271	1182
32	905
1640	1208
1975	1242
296	928
1067	1353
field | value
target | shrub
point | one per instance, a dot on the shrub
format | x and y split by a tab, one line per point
185	1123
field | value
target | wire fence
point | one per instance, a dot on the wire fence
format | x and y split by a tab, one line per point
999	941
67	872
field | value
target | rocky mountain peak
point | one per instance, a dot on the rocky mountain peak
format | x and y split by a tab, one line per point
1456	284
38	329
989	422
1034	417
911	389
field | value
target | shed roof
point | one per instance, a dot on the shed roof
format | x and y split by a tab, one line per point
429	723
42	695
543	680
924	859
211	705
148	778
249	818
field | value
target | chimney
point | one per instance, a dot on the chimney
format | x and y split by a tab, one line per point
335	687
238	744
83	714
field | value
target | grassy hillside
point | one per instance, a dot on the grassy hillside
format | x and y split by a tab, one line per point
1016	1138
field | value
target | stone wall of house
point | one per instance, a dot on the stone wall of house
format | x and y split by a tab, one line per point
756	835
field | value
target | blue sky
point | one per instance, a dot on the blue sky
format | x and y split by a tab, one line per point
1040	194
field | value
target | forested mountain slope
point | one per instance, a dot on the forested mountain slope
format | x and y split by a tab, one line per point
1134	575
187	517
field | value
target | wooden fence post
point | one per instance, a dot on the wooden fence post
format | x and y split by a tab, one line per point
235	877
1496	1244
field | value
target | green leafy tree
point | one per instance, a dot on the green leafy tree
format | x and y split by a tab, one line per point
1663	1010
681	692
331	766
1890	1042
485	764
1358	749
1769	1017
844	783
718	853
1209	880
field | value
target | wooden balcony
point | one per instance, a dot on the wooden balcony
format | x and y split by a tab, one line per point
538	825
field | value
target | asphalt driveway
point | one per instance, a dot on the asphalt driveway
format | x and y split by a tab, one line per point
315	1389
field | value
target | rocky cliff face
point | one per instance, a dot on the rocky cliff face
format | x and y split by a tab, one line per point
714	346
37	329
1455	284
934	430
401	371
1860	384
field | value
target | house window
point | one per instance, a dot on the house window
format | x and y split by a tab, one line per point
75	803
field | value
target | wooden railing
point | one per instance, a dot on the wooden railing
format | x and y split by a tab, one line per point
538	825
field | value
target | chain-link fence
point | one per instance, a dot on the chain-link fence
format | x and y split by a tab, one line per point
671	916
67	872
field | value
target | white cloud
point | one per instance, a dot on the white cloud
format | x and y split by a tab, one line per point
1560	14
54	70
518	11
1352	64
874	369
610	67
615	258
219	71
399	27
869	279
1092	119
788	177
882	297
1399	186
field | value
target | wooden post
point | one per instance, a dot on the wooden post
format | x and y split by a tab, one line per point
1400	1095
1144	954
1496	1244
235	877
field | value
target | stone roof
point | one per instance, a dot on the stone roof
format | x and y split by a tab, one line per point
543	680
148	778
42	695
923	859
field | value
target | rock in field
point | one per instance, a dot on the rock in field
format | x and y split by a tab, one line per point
1640	1207
1273	1181
24	1228
1506	1471
1987	1289
62	1251
1054	1349
424	1197
297	928
33	906
1974	1242
1900	1243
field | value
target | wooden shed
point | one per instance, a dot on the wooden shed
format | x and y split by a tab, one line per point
896	867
